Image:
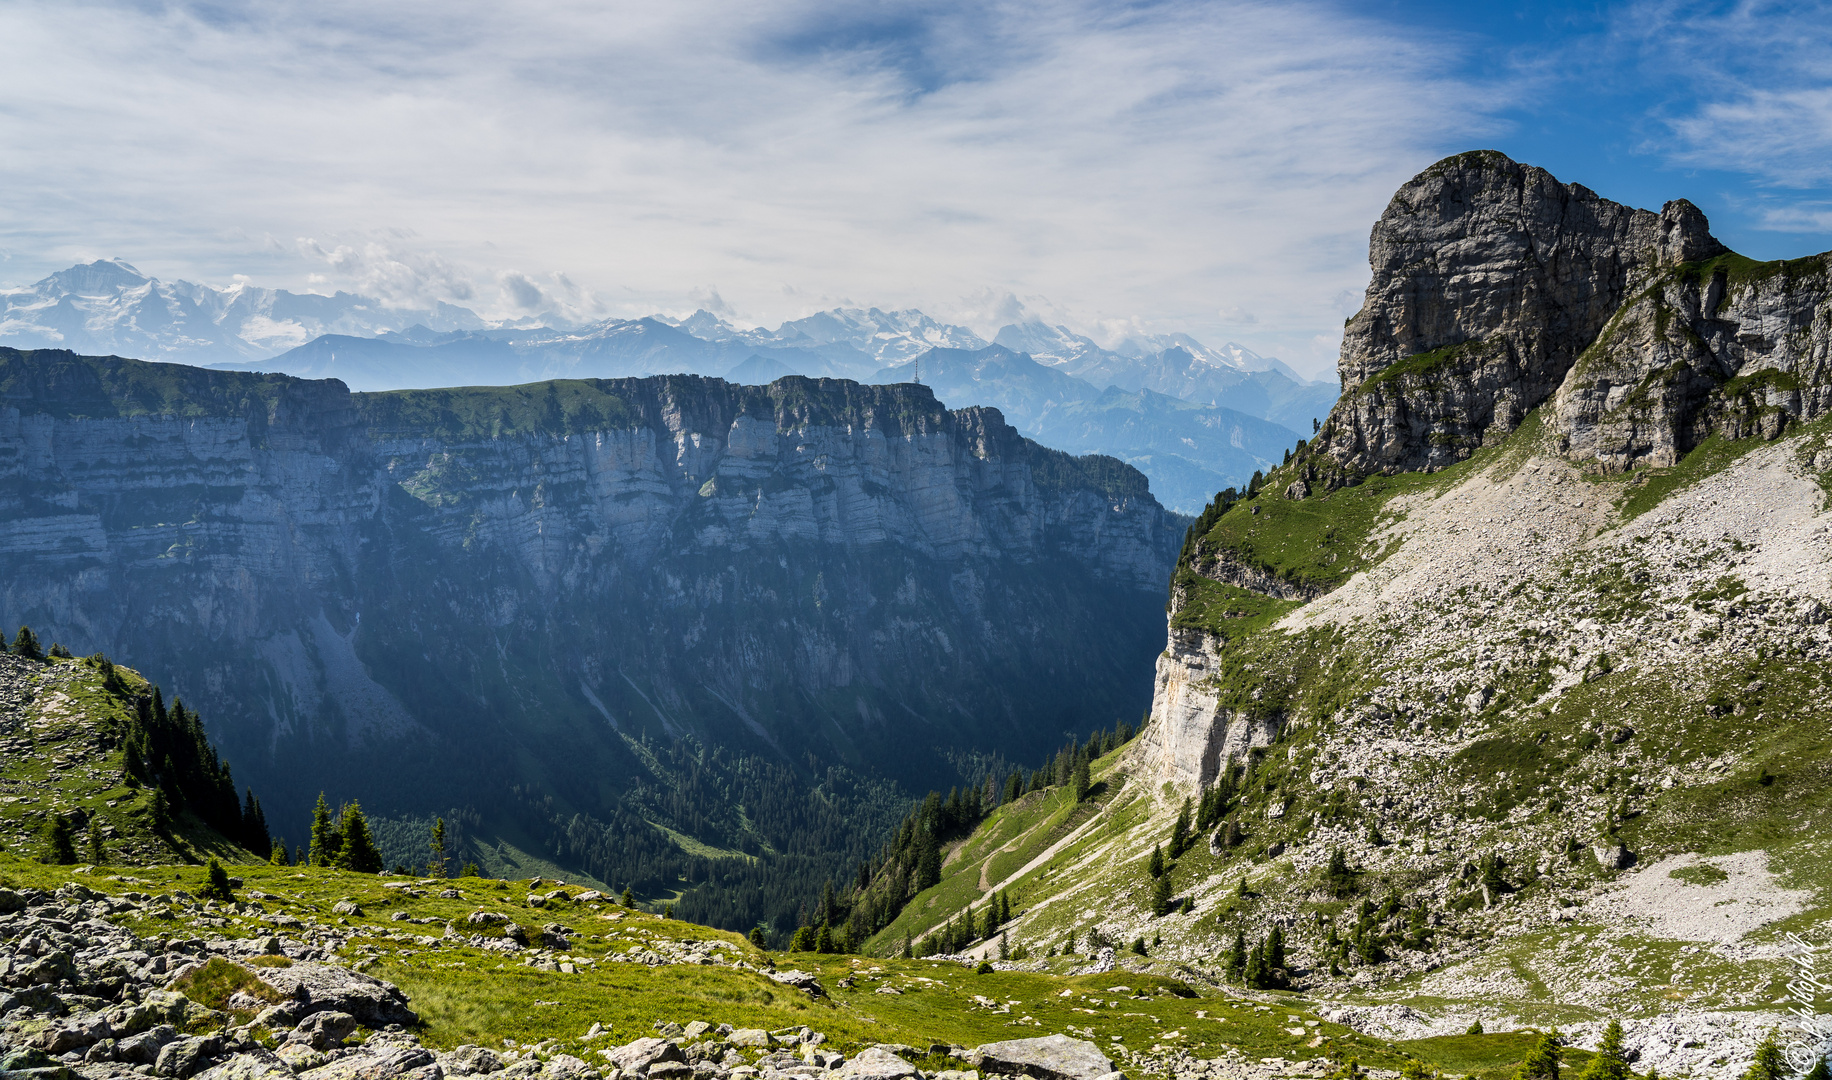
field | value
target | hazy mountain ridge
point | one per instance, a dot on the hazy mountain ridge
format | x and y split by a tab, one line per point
1190	450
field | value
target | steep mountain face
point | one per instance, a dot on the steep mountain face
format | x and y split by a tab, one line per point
427	597
1490	279
1505	699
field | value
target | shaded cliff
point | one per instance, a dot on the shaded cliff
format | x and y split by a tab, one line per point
429	597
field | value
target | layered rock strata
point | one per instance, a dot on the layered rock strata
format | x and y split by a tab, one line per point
814	566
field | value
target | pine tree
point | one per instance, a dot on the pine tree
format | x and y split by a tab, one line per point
278	856
216	885
358	851
98	853
1180	832
1339	877
629	898
471	870
59	842
254	825
1275	949
928	861
1543	1061
1160	896
1237	957
823	940
25	645
1156	866
1004	908
1230	835
908	953
436	868
1769	1063
1609	1062
758	937
326	843
1082	780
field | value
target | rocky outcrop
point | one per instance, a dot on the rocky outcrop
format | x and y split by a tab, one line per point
1490	278
550	571
1726	347
1192	734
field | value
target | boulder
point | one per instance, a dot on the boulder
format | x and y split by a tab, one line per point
643	1054
666	1070
256	1064
553	936
10	902
347	907
186	1057
300	1057
381	1059
756	1037
143	1049
875	1063
324	1030
801	980
327	988
76	1033
470	1060
1052	1057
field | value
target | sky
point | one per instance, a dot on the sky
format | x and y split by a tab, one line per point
1205	167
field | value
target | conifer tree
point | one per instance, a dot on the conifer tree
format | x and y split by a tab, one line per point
823	940
1156	866
216	884
629	898
1230	834
326	844
1609	1062
1769	1063
277	857
59	842
1237	957
1082	781
758	938
358	851
928	861
1160	896
1180	832
254	824
1543	1060
25	645
436	868
1004	907
1275	949
98	853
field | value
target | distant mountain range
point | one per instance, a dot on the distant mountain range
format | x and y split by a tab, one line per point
1194	419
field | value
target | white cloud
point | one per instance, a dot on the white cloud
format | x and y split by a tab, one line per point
1759	80
1142	165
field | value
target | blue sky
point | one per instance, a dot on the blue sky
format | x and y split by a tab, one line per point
1208	167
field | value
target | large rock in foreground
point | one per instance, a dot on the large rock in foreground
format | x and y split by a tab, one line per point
1053	1057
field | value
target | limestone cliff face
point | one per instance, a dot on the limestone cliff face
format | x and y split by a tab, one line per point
1490	278
1498	290
505	583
